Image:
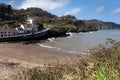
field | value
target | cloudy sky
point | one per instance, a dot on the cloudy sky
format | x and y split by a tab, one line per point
106	10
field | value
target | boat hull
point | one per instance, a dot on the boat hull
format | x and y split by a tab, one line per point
27	37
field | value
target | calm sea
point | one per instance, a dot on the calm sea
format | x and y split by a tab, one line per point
80	42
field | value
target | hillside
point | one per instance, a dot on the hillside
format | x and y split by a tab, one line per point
10	17
102	25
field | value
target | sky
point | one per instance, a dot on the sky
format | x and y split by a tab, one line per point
105	10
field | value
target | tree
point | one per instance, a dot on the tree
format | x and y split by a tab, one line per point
9	8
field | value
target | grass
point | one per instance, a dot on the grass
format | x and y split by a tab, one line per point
102	64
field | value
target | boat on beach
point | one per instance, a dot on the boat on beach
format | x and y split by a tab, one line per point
29	31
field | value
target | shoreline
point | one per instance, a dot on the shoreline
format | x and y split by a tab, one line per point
31	55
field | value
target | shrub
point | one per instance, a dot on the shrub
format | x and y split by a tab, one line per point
103	64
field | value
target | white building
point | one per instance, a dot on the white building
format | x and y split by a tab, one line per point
31	20
31	25
7	32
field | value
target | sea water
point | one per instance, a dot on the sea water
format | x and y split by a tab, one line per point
81	42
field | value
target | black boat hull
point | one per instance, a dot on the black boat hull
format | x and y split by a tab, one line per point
27	37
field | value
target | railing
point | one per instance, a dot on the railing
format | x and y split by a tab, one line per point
20	35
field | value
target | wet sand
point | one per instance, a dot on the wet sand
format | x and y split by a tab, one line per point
32	55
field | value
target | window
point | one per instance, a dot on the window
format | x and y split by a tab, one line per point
9	34
1	35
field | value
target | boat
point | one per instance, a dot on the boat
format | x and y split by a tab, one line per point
29	31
